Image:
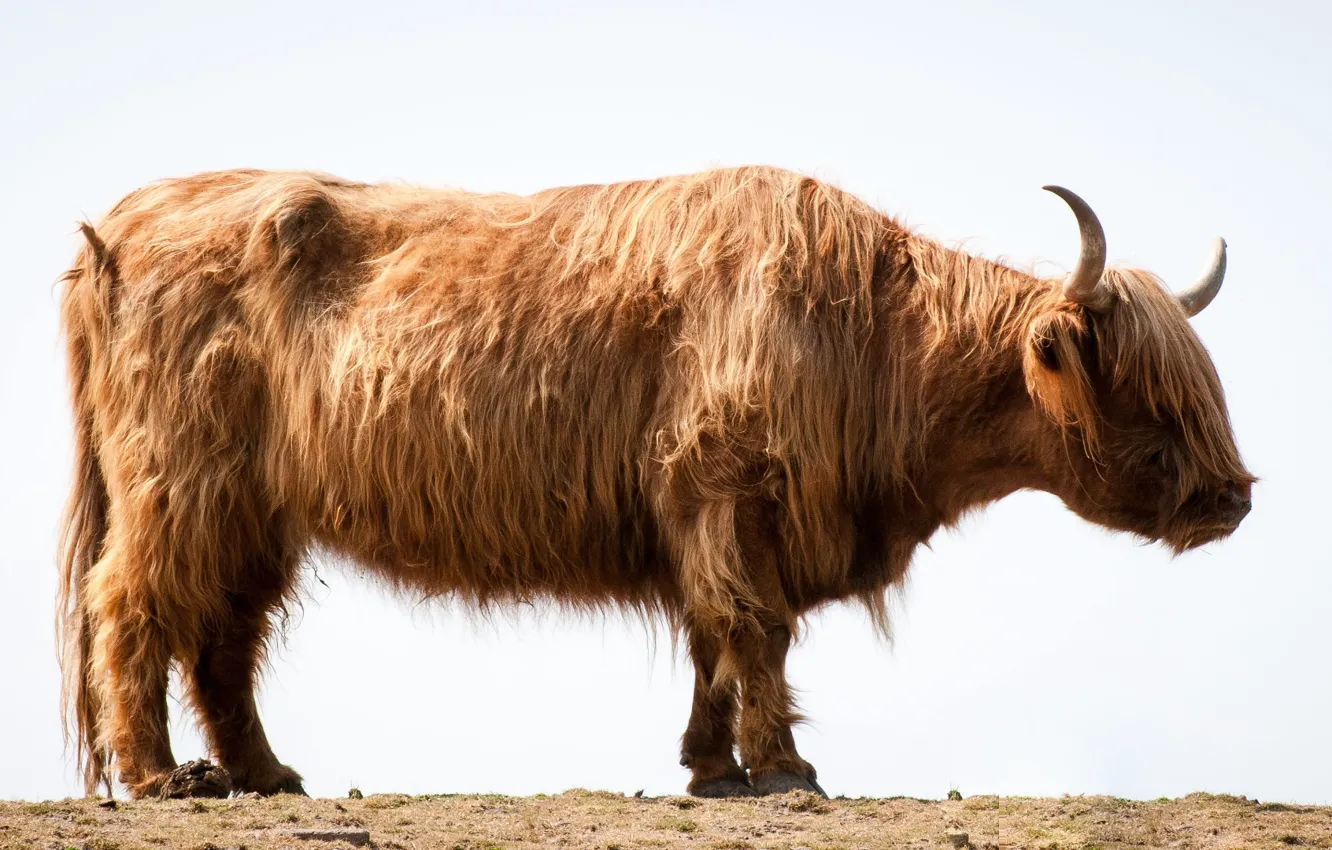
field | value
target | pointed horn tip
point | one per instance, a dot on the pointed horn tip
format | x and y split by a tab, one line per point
1200	294
1064	192
1084	284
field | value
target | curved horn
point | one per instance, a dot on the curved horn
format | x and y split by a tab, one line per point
1083	284
1198	296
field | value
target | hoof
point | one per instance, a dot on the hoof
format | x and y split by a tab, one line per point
292	786
279	780
719	788
198	778
287	781
781	782
289	785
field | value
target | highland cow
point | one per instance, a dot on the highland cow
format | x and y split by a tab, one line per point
723	399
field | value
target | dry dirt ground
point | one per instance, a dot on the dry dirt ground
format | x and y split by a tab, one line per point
604	821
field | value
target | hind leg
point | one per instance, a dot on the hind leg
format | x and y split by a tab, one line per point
131	658
223	677
177	581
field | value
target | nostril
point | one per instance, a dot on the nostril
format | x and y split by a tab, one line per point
1232	500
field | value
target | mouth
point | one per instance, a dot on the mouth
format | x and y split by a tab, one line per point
1201	521
1195	535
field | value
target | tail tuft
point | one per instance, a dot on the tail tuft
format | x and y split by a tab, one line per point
83	534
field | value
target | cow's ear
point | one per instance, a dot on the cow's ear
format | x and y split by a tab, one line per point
1055	366
1044	348
1060	339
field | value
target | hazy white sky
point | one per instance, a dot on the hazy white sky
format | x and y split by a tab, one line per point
1035	654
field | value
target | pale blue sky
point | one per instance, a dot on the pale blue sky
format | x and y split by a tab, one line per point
1035	654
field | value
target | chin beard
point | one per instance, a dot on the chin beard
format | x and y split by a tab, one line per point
1191	536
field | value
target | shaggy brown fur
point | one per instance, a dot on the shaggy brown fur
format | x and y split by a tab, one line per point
726	398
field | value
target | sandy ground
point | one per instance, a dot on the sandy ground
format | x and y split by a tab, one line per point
607	821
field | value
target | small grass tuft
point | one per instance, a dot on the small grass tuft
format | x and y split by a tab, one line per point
806	802
386	801
595	795
1282	807
678	824
44	808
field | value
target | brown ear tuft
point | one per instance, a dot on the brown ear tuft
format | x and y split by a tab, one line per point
1045	352
1056	373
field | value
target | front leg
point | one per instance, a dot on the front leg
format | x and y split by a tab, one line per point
731	557
766	742
708	746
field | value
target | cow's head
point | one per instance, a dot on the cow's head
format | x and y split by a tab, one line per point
1141	437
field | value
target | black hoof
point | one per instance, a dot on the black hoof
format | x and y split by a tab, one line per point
198	778
718	788
781	782
292	786
283	780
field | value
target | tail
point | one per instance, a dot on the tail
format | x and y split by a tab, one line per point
86	317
